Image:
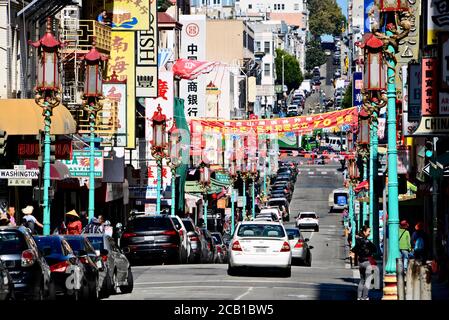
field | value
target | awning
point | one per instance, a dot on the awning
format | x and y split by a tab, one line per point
58	170
24	117
362	185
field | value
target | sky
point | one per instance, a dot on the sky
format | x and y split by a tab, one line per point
344	6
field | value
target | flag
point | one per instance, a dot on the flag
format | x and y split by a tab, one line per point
191	69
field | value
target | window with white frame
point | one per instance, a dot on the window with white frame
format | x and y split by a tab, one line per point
296	6
267	72
267	47
258	46
283	6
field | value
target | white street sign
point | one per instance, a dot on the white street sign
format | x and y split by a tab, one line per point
17	174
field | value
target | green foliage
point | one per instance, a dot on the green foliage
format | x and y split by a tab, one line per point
325	17
292	73
308	75
347	98
315	57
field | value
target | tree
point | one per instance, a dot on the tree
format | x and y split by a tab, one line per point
325	17
347	98
292	73
315	57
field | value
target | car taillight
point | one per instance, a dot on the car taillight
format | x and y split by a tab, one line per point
59	267
104	258
236	246
299	244
170	233
128	235
28	258
285	247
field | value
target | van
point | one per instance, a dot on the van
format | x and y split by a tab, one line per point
338	199
336	142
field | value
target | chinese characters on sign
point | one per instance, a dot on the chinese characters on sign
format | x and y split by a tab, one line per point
437	19
408	126
357	91
122	63
128	14
117	92
429	87
146	58
193	47
414	92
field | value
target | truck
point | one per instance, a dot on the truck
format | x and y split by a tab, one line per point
306	86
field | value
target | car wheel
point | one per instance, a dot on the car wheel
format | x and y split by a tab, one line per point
130	283
287	273
232	271
106	287
317	229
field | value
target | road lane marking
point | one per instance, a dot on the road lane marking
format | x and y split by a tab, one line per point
224	280
323	172
311	172
242	295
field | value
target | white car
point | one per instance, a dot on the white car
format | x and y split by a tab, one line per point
274	210
307	220
185	240
260	244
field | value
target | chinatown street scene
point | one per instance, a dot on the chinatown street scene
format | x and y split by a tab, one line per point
224	150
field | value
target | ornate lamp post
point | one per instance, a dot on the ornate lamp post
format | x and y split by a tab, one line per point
158	148
174	149
244	173
353	173
374	80
47	90
363	150
396	18
234	175
205	185
92	94
253	173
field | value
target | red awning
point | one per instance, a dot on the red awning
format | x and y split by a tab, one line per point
58	170
362	185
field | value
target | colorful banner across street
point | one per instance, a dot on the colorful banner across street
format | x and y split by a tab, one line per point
301	124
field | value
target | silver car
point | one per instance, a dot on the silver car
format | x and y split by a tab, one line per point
300	247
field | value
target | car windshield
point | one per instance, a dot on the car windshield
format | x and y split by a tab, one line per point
97	242
307	215
293	232
54	243
189	225
261	230
149	224
11	243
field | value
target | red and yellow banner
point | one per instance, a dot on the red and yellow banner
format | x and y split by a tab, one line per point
302	124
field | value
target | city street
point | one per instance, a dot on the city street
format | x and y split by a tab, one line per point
326	71
329	278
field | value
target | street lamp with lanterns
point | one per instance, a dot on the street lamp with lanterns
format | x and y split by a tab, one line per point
253	174
159	148
363	140
394	25
233	174
353	173
205	185
244	173
47	96
174	159
93	93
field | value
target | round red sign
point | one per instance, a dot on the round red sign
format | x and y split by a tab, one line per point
192	29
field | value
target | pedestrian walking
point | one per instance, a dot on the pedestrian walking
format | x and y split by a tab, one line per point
74	225
29	221
365	249
11	212
404	243
419	242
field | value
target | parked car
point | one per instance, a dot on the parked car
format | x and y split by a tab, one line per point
260	244
195	242
267	216
271	210
279	202
150	237
222	250
185	240
300	247
6	284
67	272
308	220
118	268
94	268
281	193
212	252
27	266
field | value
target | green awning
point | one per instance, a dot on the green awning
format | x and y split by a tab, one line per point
195	187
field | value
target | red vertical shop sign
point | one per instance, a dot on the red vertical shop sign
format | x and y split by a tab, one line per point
429	87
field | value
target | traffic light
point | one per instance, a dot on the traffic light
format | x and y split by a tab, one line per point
3	138
429	150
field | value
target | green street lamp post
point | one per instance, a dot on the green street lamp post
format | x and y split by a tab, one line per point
395	16
233	174
205	185
174	160
158	149
253	174
93	93
245	175
47	96
353	173
363	150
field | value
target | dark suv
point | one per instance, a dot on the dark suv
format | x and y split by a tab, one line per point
152	237
27	266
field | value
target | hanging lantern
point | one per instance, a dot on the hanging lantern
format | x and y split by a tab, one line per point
48	66
353	170
93	80
363	134
350	139
174	145
159	124
393	5
374	71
